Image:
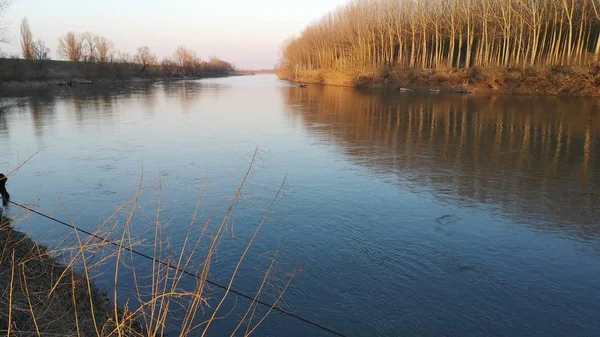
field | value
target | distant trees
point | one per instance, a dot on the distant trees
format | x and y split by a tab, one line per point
27	43
70	47
30	49
86	47
144	58
367	34
91	48
216	65
40	51
187	61
185	58
105	50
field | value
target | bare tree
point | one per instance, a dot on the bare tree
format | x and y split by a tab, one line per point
89	49
144	58
123	57
70	47
185	58
104	50
27	44
595	6
372	34
40	51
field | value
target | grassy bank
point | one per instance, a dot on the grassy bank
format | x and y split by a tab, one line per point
16	72
576	81
39	295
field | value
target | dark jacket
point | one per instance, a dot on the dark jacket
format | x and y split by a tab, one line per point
3	191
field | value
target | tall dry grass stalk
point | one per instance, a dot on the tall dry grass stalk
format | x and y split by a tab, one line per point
47	298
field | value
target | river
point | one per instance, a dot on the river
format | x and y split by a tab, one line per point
402	214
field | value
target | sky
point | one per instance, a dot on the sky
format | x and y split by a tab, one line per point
248	34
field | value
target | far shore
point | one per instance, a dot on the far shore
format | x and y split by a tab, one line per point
25	73
571	81
87	81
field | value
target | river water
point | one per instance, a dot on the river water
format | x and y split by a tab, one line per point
402	214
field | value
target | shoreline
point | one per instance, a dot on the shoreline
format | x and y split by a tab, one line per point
72	82
15	73
46	295
547	81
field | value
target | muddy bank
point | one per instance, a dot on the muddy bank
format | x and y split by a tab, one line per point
573	81
39	295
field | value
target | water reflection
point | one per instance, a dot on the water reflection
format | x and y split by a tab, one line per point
97	101
42	108
185	92
3	124
365	169
533	158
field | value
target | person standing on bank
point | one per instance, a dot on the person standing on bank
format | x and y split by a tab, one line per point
3	191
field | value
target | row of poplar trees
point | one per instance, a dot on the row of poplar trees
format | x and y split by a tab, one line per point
428	34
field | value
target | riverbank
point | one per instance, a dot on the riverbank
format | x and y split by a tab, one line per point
87	81
39	295
26	73
574	81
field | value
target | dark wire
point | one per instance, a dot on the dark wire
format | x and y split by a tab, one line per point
274	307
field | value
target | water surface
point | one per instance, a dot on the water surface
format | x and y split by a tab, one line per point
408	215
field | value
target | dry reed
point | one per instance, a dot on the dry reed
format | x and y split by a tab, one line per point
41	296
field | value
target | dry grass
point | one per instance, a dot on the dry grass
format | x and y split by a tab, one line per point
329	77
575	81
41	297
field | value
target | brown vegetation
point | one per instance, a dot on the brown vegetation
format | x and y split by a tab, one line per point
95	49
575	80
30	49
105	50
376	38
100	59
39	296
70	47
90	48
42	295
86	47
144	58
27	44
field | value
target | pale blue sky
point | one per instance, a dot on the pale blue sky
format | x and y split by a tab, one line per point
246	33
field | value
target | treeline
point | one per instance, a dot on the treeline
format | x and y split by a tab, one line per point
433	34
90	48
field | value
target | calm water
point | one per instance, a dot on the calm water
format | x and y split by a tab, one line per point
407	215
